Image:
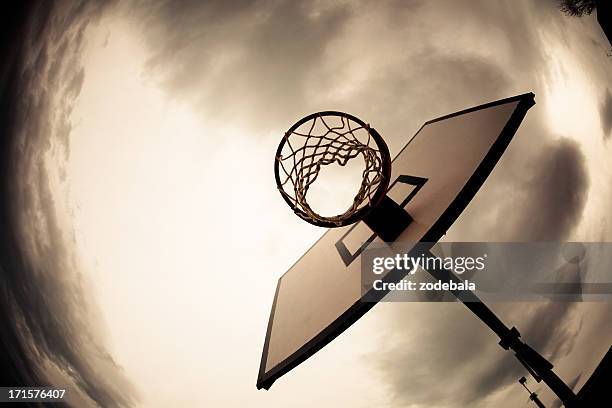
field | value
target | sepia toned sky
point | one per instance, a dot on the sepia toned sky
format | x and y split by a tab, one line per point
147	234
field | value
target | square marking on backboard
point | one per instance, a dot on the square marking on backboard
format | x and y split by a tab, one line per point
359	236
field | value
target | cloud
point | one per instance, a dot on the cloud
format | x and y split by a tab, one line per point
605	111
550	200
264	63
229	57
49	323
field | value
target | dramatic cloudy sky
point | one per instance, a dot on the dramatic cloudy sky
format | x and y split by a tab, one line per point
142	233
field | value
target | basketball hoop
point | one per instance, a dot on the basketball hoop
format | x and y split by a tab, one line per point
313	142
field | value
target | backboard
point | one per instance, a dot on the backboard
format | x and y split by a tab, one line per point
433	178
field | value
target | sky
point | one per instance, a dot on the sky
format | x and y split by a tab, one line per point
144	233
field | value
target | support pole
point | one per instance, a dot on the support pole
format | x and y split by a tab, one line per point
389	219
532	395
538	366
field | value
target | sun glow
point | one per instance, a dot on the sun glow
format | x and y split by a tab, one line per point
177	223
149	217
